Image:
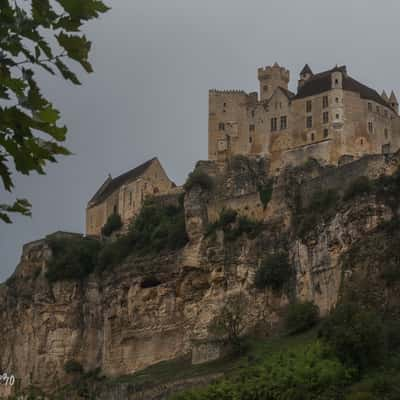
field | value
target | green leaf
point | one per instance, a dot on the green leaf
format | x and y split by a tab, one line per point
49	115
66	72
77	48
21	206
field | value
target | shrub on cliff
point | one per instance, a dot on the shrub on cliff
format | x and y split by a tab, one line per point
157	228
360	186
234	225
229	324
200	178
356	335
300	317
72	258
274	272
322	205
73	367
265	192
114	223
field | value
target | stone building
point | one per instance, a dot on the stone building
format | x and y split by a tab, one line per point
331	118
125	194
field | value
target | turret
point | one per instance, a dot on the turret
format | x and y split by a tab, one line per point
305	75
393	102
271	78
385	97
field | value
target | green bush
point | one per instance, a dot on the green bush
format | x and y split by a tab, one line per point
73	367
356	335
72	258
114	223
360	186
200	178
322	205
157	228
265	192
307	373
301	317
274	272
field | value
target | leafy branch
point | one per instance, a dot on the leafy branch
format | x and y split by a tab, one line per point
43	34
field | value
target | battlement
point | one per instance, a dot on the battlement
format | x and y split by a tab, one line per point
216	92
273	72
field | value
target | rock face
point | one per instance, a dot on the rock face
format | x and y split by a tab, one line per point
115	322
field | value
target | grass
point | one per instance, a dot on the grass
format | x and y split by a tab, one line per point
180	369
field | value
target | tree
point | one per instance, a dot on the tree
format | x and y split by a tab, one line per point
230	323
36	35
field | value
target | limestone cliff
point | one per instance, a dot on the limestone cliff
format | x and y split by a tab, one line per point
119	322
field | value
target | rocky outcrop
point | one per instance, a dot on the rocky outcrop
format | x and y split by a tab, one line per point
115	322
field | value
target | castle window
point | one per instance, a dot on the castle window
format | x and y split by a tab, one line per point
325	117
361	142
221	126
284	122
115	209
337	116
370	127
312	137
337	99
326	133
265	88
224	104
253	113
377	109
274	124
369	106
308	106
252	128
386	133
309	122
250	139
325	101
336	82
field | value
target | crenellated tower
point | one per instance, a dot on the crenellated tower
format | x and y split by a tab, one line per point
271	78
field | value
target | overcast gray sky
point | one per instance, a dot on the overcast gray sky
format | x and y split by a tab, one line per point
154	63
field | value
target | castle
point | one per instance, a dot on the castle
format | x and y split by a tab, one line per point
332	118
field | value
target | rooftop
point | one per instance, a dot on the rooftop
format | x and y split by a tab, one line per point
110	185
321	82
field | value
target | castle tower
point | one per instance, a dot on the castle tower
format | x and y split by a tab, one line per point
393	102
305	75
385	97
271	78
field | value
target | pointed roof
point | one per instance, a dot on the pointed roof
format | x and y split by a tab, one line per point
385	96
110	185
393	98
306	70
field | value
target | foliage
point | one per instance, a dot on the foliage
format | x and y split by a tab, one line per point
230	323
308	373
114	223
199	178
356	335
360	186
36	35
321	206
274	272
234	225
73	367
265	192
155	229
72	258
301	317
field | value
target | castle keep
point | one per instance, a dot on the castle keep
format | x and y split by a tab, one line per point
332	118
